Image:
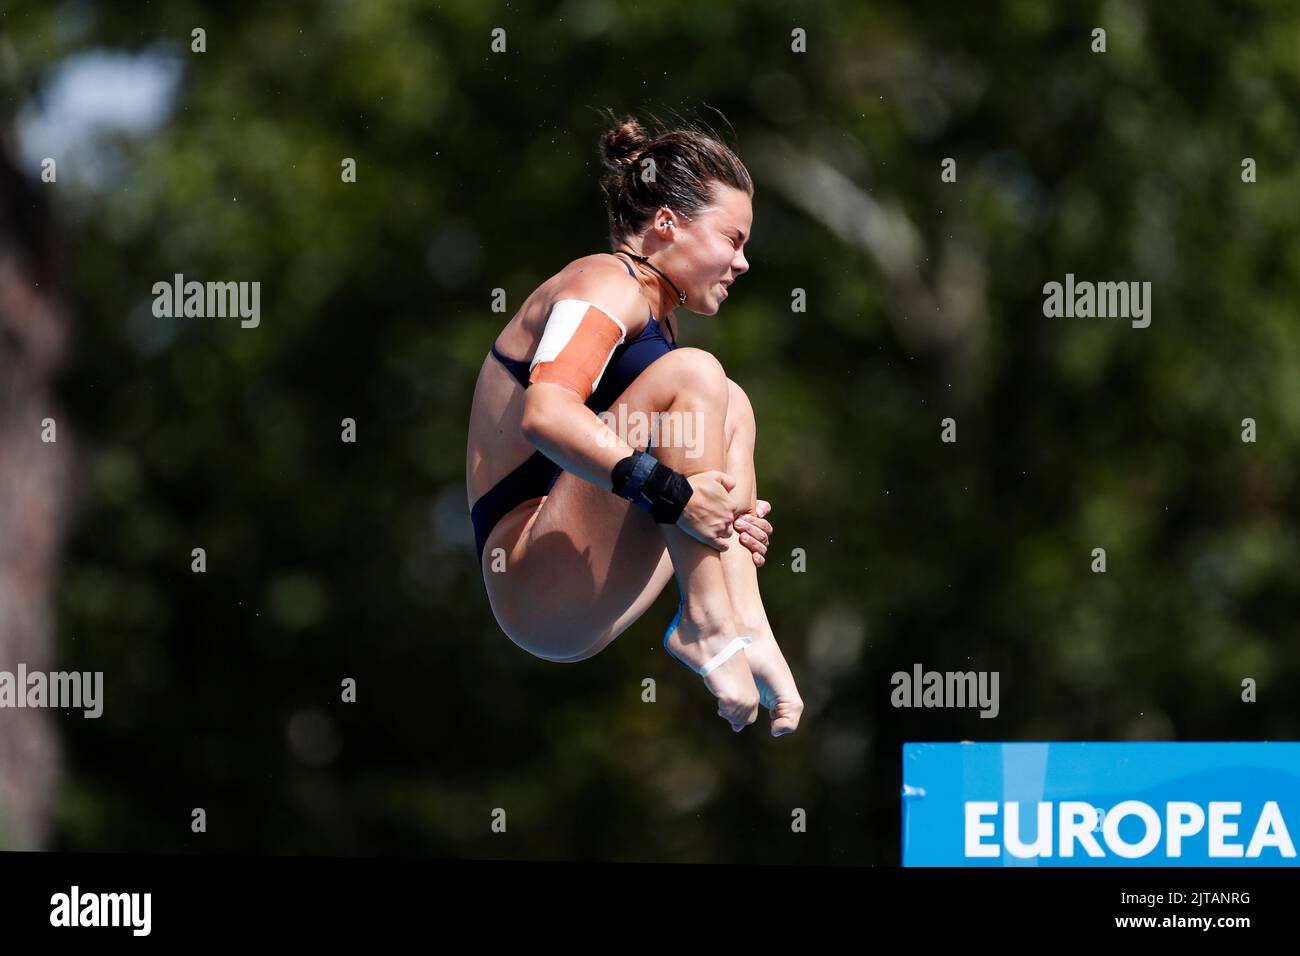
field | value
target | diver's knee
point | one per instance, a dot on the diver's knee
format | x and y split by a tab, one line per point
699	373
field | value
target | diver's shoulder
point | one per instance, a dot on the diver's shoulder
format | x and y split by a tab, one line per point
603	280
599	265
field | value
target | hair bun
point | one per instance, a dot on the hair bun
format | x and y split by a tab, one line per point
625	143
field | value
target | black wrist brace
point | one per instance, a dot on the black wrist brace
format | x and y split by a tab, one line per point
652	486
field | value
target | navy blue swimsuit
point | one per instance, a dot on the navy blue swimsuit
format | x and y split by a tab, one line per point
537	474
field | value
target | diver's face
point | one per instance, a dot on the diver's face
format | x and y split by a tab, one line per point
708	251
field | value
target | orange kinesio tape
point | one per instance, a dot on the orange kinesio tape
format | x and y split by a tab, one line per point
576	345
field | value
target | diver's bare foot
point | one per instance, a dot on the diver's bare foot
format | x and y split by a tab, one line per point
776	686
731	682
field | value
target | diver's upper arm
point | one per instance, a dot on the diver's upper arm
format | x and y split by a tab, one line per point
587	322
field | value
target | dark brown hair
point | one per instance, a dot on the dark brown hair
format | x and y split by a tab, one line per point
687	163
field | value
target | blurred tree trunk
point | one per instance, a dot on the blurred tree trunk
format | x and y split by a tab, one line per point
35	497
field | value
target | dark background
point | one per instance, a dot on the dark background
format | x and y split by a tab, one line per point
478	170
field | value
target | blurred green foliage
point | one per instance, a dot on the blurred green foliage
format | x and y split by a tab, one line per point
478	170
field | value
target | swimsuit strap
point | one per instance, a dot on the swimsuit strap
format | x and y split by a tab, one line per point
628	267
518	368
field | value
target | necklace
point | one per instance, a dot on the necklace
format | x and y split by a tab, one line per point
681	296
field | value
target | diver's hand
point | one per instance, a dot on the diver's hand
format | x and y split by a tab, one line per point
707	517
755	531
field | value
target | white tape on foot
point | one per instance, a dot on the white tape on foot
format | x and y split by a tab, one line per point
723	655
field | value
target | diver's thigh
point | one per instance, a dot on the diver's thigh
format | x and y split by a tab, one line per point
577	572
597	548
589	563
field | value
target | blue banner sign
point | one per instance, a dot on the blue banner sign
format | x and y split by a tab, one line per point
1101	804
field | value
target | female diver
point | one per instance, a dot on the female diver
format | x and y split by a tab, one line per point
578	526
